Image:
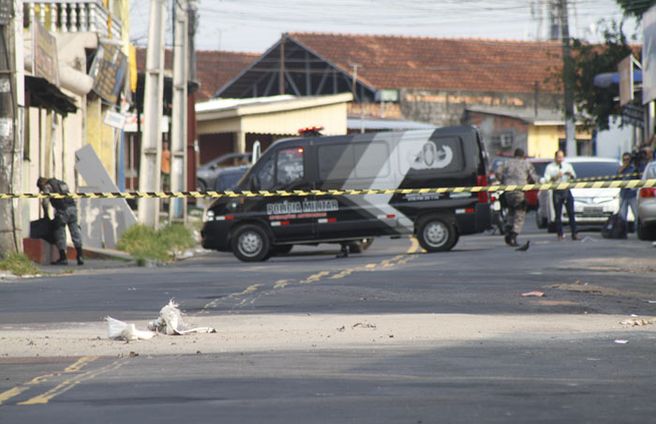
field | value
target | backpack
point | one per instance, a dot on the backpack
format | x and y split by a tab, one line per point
614	228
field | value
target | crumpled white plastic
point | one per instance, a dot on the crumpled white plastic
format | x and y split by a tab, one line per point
170	322
120	330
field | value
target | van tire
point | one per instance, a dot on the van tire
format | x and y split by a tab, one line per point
436	234
251	243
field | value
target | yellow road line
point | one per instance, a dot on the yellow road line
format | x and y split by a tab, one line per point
17	390
70	383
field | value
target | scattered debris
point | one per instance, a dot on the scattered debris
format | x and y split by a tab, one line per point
119	330
651	301
170	322
342	328
621	341
637	322
133	354
363	325
535	293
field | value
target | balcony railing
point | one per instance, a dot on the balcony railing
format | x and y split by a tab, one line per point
73	16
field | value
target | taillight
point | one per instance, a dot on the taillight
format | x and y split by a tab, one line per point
481	180
648	192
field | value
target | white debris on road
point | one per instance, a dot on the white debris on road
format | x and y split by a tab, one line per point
119	330
170	322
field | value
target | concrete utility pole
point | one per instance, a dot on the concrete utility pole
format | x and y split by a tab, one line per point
11	124
151	142
193	156
177	207
568	80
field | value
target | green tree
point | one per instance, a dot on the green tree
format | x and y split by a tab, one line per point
596	105
635	7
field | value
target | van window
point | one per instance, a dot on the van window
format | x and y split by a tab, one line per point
289	166
337	162
264	174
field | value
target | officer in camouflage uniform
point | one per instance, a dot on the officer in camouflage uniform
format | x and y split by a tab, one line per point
65	214
517	171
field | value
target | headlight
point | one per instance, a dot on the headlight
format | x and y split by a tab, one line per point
209	215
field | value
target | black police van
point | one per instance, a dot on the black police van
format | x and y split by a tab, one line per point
254	228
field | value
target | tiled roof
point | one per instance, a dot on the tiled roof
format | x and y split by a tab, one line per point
214	68
440	63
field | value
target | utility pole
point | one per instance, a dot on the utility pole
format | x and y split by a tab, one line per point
151	142
568	80
193	151
354	85
281	75
177	207
11	124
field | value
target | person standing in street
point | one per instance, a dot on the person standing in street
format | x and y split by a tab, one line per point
628	196
558	172
166	167
517	171
65	215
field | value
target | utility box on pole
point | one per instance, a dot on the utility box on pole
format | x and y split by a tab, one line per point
178	207
151	142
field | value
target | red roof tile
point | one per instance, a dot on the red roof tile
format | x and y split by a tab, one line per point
439	63
214	68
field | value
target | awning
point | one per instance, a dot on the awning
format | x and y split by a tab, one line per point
43	94
607	79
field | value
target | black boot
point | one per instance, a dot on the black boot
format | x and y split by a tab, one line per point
62	258
507	238
80	258
513	239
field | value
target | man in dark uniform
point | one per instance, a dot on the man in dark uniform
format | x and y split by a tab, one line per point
65	214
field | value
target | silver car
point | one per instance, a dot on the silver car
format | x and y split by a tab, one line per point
592	206
647	206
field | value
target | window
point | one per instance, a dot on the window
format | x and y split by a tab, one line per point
339	162
289	166
264	175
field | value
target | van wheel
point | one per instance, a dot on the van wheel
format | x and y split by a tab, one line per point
250	243
436	234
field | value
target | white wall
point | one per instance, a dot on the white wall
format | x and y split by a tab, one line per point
615	141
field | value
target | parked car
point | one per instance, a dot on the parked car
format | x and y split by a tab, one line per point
647	206
532	198
206	173
592	206
228	178
254	228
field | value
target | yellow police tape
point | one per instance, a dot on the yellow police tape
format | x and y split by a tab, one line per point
332	192
609	177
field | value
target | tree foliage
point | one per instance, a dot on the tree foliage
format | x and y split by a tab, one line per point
595	104
635	7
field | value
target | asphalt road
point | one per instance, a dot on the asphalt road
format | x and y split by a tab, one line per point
565	378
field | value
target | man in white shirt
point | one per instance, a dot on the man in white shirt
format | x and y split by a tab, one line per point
557	172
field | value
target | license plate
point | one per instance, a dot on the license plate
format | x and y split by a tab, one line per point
593	210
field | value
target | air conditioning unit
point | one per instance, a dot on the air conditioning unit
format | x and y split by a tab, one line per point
506	140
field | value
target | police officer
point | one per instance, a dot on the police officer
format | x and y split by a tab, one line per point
65	214
517	171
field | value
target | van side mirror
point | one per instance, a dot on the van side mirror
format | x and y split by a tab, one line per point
254	183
